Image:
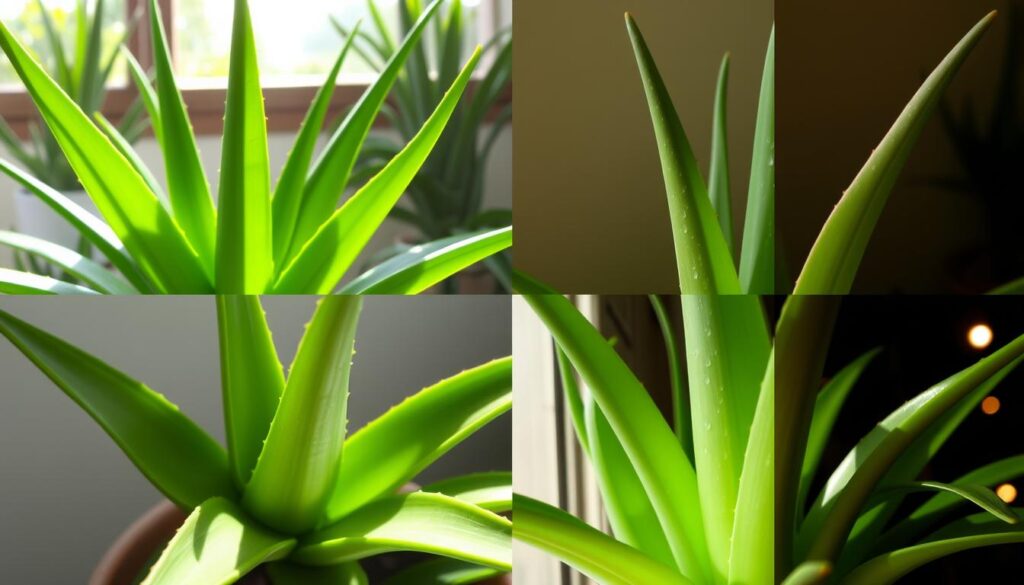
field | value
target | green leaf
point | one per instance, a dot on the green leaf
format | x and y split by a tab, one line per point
217	545
589	551
252	380
328	254
491	491
443	572
430	523
15	282
702	256
757	260
146	92
426	265
979	495
809	573
90	65
245	258
126	150
718	173
573	398
56	48
340	574
677	378
1015	287
832	264
177	457
17	150
95	276
186	181
417	432
121	195
297	469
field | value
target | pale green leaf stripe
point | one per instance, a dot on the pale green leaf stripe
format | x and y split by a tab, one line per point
252	380
443	572
94	275
121	195
491	491
651	445
978	495
329	253
186	181
589	551
832	516
809	573
971	532
291	185
832	264
718	172
677	377
217	545
126	150
757	259
298	467
421	522
702	257
331	171
175	455
751	557
434	420
146	92
14	282
284	573
428	264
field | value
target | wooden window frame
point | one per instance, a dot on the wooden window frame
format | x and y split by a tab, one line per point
285	106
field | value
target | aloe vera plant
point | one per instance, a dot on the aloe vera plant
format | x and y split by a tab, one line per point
292	492
290	239
447	196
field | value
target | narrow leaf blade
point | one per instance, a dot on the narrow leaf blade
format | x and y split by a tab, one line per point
94	275
491	491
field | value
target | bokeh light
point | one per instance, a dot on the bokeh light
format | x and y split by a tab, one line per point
1007	493
979	336
990	405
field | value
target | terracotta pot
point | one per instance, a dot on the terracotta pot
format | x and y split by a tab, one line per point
138	546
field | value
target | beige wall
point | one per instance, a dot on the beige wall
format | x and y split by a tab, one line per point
590	213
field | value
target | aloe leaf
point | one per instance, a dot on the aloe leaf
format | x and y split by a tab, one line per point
386	40
81	44
589	551
651	445
329	253
90	65
92	274
245	259
1015	287
146	92
809	573
573	398
252	380
434	420
832	264
177	457
751	557
126	150
491	491
283	573
18	282
978	495
702	256
296	472
718	173
217	545
330	173
428	264
443	572
826	410
288	193
832	516
186	181
421	522
17	150
971	532
56	47
451	46
677	378
757	260
121	195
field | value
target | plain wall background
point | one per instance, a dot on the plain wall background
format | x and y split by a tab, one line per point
590	206
845	72
67	491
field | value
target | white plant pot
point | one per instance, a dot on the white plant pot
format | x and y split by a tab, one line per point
34	218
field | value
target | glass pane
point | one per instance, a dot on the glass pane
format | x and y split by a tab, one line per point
25	20
295	38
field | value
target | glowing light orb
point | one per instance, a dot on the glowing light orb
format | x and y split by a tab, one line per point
980	336
990	405
1007	492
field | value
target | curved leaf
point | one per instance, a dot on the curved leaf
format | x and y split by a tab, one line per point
491	491
979	495
146	92
681	422
757	260
126	150
809	573
443	572
14	282
718	172
94	275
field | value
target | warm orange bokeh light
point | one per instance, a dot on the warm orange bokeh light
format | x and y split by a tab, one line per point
980	336
990	405
1007	493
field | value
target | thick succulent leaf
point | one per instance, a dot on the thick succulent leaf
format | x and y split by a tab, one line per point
677	378
832	264
489	490
832	516
18	282
573	398
146	92
421	522
718	172
443	572
186	180
426	265
586	549
652	447
217	545
252	380
702	256
978	495
328	254
297	469
92	274
245	259
125	148
757	260
809	573
415	433
284	573
122	196
172	452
